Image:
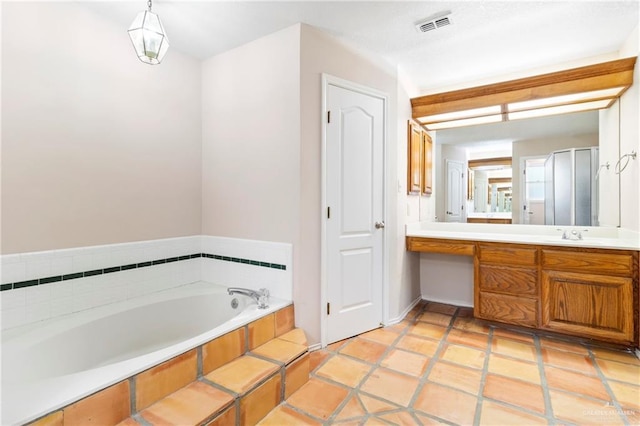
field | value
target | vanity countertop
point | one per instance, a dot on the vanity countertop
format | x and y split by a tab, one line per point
592	237
490	215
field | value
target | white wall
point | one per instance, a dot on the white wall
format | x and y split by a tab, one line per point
630	141
97	147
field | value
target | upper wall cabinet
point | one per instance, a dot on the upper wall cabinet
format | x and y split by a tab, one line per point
420	160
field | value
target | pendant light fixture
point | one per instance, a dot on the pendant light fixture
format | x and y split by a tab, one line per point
148	37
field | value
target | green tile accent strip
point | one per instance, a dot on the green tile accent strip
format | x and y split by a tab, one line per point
112	269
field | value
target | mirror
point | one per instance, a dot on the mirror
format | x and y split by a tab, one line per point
520	199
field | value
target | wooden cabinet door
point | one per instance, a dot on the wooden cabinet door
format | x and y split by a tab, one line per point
588	305
414	160
427	163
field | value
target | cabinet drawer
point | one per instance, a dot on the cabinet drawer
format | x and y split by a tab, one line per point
508	309
597	263
508	254
516	281
430	245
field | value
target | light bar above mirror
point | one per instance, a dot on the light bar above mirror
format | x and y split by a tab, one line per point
578	89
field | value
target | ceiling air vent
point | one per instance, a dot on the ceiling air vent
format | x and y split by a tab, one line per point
434	22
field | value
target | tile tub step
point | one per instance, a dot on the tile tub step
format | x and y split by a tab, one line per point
247	388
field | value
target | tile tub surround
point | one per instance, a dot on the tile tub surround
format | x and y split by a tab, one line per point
220	379
442	366
43	285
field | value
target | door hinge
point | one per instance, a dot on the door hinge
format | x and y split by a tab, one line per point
328	308
328	116
328	212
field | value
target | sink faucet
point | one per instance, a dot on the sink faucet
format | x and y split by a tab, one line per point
571	235
261	296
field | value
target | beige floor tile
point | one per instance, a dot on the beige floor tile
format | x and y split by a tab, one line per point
498	414
620	356
353	409
280	350
470	324
562	345
465	312
337	345
464	356
242	374
318	357
222	350
572	381
57	419
428	421
448	404
514	392
392	386
405	362
402	418
400	327
296	375
441	308
627	395
126	422
425	329
456	376
344	370
374	421
460	337
620	371
318	398
374	405
192	404
568	360
365	350
513	335
514	368
285	416
418	344
435	318
381	335
297	335
583	411
513	349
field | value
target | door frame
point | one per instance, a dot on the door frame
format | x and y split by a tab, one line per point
523	185
330	80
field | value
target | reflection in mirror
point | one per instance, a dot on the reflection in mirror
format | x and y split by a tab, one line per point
520	195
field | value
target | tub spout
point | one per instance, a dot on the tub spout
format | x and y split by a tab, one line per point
261	296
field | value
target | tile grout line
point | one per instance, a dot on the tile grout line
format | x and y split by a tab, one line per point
483	379
432	362
605	382
543	380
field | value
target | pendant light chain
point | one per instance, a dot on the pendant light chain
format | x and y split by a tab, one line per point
149	5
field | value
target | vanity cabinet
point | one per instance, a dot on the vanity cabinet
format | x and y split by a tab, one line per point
583	292
588	293
419	160
506	281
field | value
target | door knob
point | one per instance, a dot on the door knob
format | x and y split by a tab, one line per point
379	225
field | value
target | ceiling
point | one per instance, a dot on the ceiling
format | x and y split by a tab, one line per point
487	39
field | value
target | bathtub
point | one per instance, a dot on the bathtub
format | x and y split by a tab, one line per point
48	365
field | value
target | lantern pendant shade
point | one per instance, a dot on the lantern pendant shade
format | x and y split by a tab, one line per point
149	38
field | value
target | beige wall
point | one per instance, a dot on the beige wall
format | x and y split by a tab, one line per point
97	147
321	53
251	140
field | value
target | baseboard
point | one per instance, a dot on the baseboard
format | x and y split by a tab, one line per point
315	347
459	303
404	313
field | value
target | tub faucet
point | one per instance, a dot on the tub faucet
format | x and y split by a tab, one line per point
261	296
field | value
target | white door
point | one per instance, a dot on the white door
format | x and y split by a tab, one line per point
454	197
533	190
355	208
